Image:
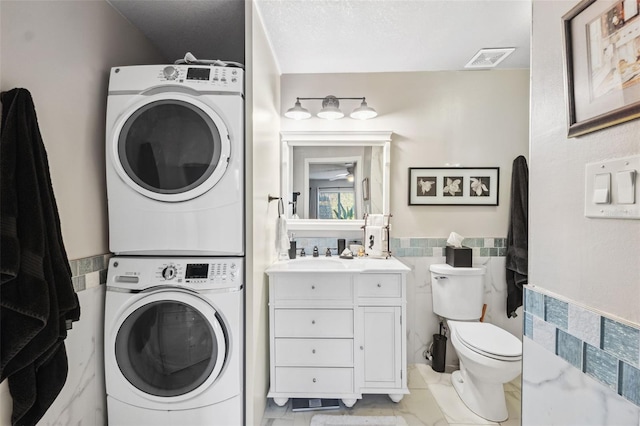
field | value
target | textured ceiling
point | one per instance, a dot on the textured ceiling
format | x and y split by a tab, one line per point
327	36
333	36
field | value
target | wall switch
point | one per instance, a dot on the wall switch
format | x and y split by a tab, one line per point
601	188
626	184
611	190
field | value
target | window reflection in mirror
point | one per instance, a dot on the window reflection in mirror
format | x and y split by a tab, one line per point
337	182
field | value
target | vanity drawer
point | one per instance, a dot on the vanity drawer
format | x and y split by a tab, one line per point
380	285
313	323
314	380
314	352
312	286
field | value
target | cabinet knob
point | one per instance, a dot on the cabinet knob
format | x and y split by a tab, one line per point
379	285
313	321
314	380
313	287
362	348
313	351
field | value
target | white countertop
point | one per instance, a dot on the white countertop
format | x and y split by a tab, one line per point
336	264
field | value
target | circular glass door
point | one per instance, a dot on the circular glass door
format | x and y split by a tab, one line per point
168	147
169	348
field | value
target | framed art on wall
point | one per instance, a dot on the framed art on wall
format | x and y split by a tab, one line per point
461	186
602	64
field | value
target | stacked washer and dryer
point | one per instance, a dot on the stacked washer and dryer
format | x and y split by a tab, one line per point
174	301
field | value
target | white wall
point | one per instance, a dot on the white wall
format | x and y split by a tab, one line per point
477	118
591	261
263	165
61	52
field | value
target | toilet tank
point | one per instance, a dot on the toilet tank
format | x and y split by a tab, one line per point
457	292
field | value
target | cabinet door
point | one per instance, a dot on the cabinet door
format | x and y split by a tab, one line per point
381	346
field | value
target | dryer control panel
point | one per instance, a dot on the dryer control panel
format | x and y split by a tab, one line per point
202	78
195	273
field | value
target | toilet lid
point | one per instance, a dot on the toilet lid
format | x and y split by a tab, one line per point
489	340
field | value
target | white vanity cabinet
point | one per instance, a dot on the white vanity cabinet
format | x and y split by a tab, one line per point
337	331
381	306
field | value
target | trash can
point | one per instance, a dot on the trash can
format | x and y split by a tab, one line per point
438	352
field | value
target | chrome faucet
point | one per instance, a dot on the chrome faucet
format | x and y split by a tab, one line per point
328	252
315	251
302	253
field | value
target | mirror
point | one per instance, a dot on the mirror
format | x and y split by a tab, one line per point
331	179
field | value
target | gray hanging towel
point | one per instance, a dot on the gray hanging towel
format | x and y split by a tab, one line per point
36	294
517	236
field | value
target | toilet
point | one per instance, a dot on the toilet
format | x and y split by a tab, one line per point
489	356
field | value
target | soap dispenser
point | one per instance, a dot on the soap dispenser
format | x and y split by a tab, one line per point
292	247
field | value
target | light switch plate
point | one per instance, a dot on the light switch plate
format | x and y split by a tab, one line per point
611	192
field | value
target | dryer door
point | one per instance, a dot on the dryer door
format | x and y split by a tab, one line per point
170	345
171	147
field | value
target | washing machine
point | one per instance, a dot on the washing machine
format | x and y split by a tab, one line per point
173	341
175	160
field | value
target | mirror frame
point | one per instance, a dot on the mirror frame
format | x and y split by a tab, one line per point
290	139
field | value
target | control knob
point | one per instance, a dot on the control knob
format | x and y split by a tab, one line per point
169	272
170	73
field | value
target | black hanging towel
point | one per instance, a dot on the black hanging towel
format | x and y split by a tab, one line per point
517	236
36	294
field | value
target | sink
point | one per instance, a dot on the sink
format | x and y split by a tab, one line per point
336	264
316	263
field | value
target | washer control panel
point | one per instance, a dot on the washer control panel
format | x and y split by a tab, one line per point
211	271
197	273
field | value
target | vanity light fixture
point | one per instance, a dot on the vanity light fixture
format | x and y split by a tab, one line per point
331	109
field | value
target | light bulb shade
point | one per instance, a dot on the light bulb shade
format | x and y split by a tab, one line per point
297	112
363	112
330	108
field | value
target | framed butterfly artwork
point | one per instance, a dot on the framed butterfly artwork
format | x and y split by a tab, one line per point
454	186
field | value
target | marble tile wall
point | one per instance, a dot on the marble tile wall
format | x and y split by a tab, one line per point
422	323
603	350
82	400
555	392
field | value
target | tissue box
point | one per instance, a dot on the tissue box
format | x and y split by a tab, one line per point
458	257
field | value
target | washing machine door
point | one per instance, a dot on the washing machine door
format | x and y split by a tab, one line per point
170	345
171	147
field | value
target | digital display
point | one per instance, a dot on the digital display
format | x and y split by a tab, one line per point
197	271
198	74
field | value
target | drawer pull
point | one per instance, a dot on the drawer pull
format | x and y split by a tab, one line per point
362	348
313	351
314	380
379	285
313	321
313	287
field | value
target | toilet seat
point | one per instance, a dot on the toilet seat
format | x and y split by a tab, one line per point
489	340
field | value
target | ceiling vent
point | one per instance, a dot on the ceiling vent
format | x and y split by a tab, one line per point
489	58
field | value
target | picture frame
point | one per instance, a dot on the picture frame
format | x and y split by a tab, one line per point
365	189
454	186
602	64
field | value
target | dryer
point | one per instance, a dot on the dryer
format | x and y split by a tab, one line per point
175	160
173	341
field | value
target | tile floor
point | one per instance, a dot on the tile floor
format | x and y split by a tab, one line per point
432	402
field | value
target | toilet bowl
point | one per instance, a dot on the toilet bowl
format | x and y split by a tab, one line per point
489	356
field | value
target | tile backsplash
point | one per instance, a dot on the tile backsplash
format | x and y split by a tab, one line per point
89	272
599	346
414	247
